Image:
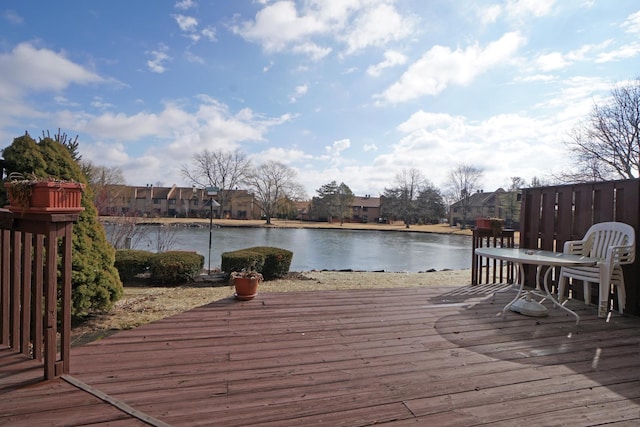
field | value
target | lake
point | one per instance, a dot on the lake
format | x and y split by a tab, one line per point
329	249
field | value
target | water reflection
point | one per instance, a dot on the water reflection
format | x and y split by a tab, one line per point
333	249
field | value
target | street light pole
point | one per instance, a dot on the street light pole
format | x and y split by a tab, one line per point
211	191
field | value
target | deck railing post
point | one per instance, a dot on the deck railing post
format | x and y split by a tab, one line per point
30	256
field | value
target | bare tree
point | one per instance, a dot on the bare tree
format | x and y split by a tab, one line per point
125	233
607	144
102	180
464	180
402	200
223	169
273	183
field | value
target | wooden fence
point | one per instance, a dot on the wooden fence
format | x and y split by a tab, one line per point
552	215
35	302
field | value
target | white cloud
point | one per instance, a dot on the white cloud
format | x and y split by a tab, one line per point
185	4
62	100
280	26
299	91
521	8
632	23
158	58
99	103
391	59
280	154
377	26
557	60
176	133
186	23
535	78
489	15
551	61
312	50
209	33
370	147
626	51
27	68
425	120
335	150
440	67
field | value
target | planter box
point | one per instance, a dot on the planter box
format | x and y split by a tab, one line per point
494	225
49	197
483	224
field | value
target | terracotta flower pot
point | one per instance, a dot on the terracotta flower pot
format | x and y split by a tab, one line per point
246	287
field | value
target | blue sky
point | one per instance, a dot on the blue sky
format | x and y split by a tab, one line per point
346	90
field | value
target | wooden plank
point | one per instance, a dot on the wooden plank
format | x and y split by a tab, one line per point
421	355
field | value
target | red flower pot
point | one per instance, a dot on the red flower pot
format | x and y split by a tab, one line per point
246	287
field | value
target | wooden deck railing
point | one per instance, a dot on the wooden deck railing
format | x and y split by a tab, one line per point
485	270
35	302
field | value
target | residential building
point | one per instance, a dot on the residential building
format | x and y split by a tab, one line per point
365	209
191	202
497	204
174	201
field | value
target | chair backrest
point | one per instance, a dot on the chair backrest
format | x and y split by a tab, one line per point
603	235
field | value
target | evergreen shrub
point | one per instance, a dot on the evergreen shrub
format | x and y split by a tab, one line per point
175	267
131	262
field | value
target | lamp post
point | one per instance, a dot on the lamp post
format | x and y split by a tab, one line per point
211	191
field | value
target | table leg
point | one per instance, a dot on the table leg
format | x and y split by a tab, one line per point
520	269
545	282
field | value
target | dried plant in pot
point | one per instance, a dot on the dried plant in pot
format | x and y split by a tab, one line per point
246	283
43	195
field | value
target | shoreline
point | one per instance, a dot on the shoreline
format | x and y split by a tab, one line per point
281	223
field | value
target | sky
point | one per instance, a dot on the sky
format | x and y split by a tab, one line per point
351	91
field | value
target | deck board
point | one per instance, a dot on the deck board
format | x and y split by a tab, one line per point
432	355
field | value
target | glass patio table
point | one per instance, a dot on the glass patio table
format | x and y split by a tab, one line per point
540	259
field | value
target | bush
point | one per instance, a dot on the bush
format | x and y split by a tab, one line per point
175	267
271	262
131	262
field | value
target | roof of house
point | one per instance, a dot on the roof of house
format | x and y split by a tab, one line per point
366	201
480	198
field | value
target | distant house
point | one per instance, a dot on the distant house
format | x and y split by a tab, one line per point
365	209
174	201
497	204
191	202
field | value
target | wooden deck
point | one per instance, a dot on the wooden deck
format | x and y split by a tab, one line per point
416	356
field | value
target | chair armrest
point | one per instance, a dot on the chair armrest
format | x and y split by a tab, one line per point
619	255
576	247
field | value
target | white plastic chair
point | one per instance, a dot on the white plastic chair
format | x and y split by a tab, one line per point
613	244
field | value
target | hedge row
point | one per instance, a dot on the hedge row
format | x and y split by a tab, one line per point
271	262
172	267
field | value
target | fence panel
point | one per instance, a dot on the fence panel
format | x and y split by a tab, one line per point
552	215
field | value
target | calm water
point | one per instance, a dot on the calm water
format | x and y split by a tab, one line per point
332	249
